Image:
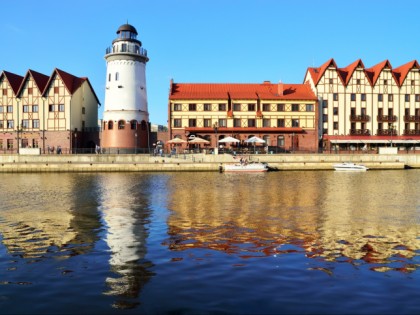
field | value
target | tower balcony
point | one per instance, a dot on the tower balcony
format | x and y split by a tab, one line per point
359	132
387	132
411	118
411	132
130	49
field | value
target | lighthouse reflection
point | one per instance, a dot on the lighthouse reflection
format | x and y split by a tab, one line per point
125	210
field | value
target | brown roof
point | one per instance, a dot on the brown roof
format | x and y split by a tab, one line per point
240	91
14	80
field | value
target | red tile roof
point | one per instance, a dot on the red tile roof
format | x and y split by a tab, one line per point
372	74
240	91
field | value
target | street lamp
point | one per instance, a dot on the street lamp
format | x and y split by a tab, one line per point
216	127
391	128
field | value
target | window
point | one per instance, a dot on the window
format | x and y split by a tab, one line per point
10	109
266	107
407	97
177	107
251	107
295	122
10	143
295	107
61	108
1	124
83	110
325	118
177	122
35	108
25	123
237	107
335	111
335	125
121	124
236	122
309	107
280	122
280	107
30	91
352	97
10	124
324	103
266	122
251	123
413	82
207	107
207	122
192	122
222	107
51	108
133	124
331	81
380	97
110	125
35	123
192	107
56	90
390	97
363	96
357	81
117	76
5	92
222	123
280	141
1	109
385	82
1	143
335	96
109	77
417	98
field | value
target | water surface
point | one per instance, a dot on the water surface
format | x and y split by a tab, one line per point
281	242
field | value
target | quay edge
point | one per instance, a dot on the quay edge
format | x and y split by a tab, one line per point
193	162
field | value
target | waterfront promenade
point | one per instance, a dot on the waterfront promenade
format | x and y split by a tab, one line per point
194	162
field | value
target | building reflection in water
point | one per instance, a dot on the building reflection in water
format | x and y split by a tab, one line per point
324	215
125	209
59	217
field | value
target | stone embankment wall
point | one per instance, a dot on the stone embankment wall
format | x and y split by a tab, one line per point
194	162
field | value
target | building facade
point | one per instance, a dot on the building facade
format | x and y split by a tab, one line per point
125	125
284	115
365	108
47	112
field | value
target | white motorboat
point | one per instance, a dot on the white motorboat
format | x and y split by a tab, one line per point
350	167
246	167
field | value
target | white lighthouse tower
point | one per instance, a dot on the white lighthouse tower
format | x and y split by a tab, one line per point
126	118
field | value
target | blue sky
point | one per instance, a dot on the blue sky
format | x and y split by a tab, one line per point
192	41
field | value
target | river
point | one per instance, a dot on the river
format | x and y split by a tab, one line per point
298	242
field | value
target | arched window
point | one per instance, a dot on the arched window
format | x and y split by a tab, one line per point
280	141
121	124
143	125
133	124
110	125
117	76
266	138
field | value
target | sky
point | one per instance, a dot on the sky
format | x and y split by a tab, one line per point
207	41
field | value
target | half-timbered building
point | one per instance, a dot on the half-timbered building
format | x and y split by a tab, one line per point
365	108
47	112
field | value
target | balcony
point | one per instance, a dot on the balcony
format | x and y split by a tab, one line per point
411	132
359	132
386	132
411	118
359	118
387	118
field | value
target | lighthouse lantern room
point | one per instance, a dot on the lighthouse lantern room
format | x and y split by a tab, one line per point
125	126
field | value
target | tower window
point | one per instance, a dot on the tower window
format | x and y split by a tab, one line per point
109	77
117	76
133	124
121	124
110	125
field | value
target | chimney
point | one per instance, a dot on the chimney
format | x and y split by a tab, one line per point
280	88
